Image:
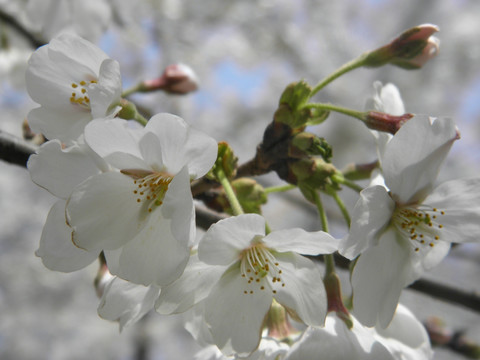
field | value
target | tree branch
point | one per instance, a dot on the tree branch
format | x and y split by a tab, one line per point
16	151
10	20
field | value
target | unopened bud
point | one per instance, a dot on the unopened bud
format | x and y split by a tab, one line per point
380	121
334	299
277	322
128	111
177	79
307	144
410	50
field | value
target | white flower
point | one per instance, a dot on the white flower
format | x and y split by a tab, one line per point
387	99
255	268
405	339
142	213
406	229
269	349
74	82
126	302
59	171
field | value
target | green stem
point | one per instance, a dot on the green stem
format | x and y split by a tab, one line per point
132	90
352	185
140	119
342	208
351	65
280	188
329	260
360	115
229	192
321	211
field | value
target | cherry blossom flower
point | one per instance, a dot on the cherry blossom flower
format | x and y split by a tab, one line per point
59	170
74	82
405	339
405	228
126	302
141	214
255	269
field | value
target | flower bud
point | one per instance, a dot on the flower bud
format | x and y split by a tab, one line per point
307	144
380	121
177	79
334	299
410	50
277	322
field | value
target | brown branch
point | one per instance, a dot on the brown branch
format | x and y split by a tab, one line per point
11	21
15	150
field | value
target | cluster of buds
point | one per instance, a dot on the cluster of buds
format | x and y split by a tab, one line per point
298	157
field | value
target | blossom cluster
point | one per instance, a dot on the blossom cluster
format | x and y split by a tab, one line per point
124	196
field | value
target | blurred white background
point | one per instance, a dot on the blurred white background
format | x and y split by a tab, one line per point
244	54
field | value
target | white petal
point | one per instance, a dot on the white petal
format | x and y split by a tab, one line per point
47	85
406	335
414	155
460	199
304	292
64	124
107	91
223	242
116	142
125	302
104	213
56	248
75	56
178	207
236	318
151	151
337	342
154	256
378	279
60	170
371	214
301	241
192	287
183	145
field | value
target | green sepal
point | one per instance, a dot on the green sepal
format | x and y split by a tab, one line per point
250	194
308	144
226	160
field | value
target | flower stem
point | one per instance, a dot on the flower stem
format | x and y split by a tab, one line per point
351	185
229	192
280	188
321	211
360	115
140	119
329	260
342	207
349	66
132	90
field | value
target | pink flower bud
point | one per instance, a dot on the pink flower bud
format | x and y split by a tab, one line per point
410	50
380	121
176	79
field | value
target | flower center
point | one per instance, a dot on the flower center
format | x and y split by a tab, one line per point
150	187
419	224
257	265
80	93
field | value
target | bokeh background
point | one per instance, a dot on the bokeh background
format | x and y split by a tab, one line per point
244	53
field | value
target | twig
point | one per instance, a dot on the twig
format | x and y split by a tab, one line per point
10	20
15	150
